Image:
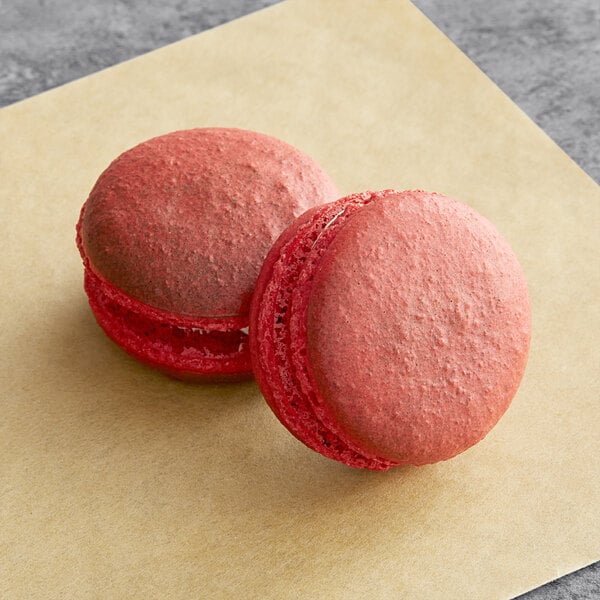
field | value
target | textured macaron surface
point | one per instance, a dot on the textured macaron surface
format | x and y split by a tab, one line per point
418	327
182	222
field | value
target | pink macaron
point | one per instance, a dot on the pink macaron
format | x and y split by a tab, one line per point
390	328
173	236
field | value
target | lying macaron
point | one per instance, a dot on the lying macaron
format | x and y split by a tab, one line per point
390	328
173	236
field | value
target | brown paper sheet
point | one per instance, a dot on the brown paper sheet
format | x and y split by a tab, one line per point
117	482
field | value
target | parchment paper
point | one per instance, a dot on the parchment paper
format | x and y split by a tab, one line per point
117	482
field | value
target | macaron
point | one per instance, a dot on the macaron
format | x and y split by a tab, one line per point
390	328
173	236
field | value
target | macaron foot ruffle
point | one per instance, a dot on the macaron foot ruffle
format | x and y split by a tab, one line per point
188	351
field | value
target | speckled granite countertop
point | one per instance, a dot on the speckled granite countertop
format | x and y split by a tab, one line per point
545	54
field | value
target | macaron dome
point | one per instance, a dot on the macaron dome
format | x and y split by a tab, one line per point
173	235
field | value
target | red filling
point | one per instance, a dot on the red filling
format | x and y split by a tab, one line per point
279	344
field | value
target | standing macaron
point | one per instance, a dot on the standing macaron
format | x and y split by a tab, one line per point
390	328
173	236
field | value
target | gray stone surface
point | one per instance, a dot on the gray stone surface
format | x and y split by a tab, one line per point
45	43
581	585
545	54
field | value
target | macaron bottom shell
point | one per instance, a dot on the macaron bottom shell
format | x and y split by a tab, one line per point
196	351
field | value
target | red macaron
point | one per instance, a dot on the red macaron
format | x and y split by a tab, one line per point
390	328
173	236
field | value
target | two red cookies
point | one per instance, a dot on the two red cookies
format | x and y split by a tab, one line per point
385	328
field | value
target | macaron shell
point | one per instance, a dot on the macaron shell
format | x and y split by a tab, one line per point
418	327
278	332
183	222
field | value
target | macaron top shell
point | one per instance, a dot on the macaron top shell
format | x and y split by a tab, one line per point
182	222
418	327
